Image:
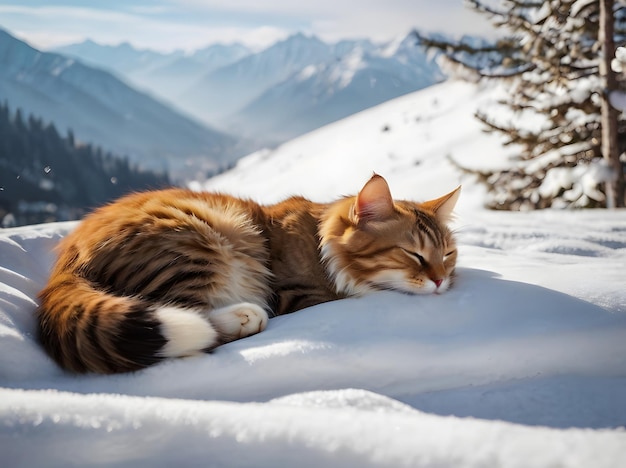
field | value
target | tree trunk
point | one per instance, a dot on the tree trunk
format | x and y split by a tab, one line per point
609	115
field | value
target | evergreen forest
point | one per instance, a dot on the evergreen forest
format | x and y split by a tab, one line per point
46	177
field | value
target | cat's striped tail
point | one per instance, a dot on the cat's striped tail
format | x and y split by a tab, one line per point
88	330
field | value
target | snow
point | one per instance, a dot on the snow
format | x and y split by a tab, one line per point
521	363
618	100
618	64
580	183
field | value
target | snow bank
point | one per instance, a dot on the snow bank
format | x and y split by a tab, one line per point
349	428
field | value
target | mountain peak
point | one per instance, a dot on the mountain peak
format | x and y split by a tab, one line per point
401	44
221	54
301	38
126	46
7	40
306	48
90	43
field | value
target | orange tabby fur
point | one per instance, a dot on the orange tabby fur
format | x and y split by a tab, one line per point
173	272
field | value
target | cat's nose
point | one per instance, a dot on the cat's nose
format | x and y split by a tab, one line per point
438	282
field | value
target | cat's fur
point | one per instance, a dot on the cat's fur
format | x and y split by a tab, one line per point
174	272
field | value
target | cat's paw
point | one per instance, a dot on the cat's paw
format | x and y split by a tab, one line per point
252	318
239	320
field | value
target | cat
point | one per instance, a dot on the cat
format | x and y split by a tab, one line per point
173	273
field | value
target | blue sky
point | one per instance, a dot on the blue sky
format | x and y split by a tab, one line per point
191	24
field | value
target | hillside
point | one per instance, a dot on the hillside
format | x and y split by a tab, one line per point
101	109
410	139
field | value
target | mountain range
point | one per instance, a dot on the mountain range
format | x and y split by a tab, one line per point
272	95
178	111
359	77
102	109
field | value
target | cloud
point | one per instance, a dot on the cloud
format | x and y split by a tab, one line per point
350	18
51	26
192	24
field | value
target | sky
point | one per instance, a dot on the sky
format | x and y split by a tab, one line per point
168	25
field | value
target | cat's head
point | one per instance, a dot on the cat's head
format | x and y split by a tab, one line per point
371	242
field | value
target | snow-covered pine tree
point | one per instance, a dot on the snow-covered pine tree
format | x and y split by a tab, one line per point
551	60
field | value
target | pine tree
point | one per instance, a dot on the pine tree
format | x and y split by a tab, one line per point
552	64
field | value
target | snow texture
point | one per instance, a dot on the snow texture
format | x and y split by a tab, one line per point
522	363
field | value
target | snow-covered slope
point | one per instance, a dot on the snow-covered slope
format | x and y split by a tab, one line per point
522	363
409	140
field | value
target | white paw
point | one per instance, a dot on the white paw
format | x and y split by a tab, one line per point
239	320
252	319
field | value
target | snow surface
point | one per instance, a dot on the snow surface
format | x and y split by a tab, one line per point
521	364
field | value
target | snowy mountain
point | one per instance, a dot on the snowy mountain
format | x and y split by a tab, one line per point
521	363
359	78
123	59
220	55
224	91
291	87
103	110
164	75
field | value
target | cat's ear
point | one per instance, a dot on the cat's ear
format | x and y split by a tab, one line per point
442	207
374	202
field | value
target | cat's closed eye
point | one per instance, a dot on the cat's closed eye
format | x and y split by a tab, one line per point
449	254
416	255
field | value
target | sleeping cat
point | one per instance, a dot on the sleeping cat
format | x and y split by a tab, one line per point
173	273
